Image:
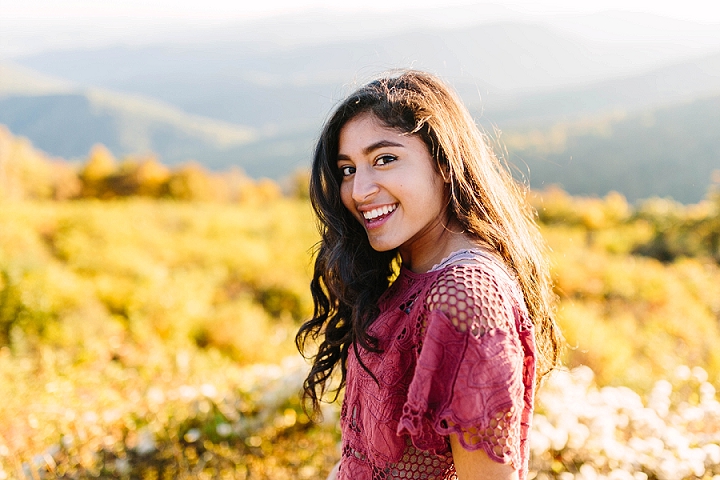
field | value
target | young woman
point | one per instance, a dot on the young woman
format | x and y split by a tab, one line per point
432	294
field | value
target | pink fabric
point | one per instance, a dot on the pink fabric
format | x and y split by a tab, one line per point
458	357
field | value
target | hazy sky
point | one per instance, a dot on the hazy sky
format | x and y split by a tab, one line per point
81	11
28	26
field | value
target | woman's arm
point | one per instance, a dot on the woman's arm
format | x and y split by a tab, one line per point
476	465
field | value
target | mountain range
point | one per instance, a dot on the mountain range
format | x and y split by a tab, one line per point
591	116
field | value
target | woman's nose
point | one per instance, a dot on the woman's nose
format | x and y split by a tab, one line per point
364	186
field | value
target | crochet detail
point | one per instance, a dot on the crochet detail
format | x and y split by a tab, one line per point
457	358
414	464
500	436
471	300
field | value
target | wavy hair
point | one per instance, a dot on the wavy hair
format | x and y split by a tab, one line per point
349	276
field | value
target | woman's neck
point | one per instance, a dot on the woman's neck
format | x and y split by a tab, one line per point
421	256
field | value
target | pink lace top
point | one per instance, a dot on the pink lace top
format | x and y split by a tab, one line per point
458	357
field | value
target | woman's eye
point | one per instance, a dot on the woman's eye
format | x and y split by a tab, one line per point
347	170
385	159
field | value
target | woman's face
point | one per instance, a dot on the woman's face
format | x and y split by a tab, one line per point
391	186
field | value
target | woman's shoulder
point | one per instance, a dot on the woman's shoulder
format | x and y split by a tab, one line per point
476	265
475	287
467	277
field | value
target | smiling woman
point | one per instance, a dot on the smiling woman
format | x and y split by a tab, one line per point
439	366
391	186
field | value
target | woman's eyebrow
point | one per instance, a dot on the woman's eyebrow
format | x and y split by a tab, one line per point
371	148
381	144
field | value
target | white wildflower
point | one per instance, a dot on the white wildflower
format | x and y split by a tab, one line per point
682	372
675	439
67	440
223	429
155	396
660	397
90	417
558	439
187	393
539	443
695	459
192	435
587	472
620	475
656	446
583	375
111	415
208	390
699	374
146	442
122	466
308	471
707	393
578	436
182	360
712	454
540	438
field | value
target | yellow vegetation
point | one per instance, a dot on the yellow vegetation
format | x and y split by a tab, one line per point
149	277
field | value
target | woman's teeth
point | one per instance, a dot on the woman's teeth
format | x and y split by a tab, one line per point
377	212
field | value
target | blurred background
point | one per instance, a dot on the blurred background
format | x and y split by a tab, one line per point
594	97
156	239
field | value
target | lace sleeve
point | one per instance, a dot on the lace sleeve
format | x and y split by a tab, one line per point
473	368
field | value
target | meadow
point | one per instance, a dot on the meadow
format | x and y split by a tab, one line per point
147	327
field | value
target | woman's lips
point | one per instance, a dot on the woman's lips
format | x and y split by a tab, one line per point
377	216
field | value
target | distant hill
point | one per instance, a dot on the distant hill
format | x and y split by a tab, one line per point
67	121
579	113
670	151
668	85
285	86
588	147
18	80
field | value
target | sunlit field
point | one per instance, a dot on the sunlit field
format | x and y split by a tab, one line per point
151	336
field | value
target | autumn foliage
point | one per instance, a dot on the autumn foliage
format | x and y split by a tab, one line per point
27	173
145	311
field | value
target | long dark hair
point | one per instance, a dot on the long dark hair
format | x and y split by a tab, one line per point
349	276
